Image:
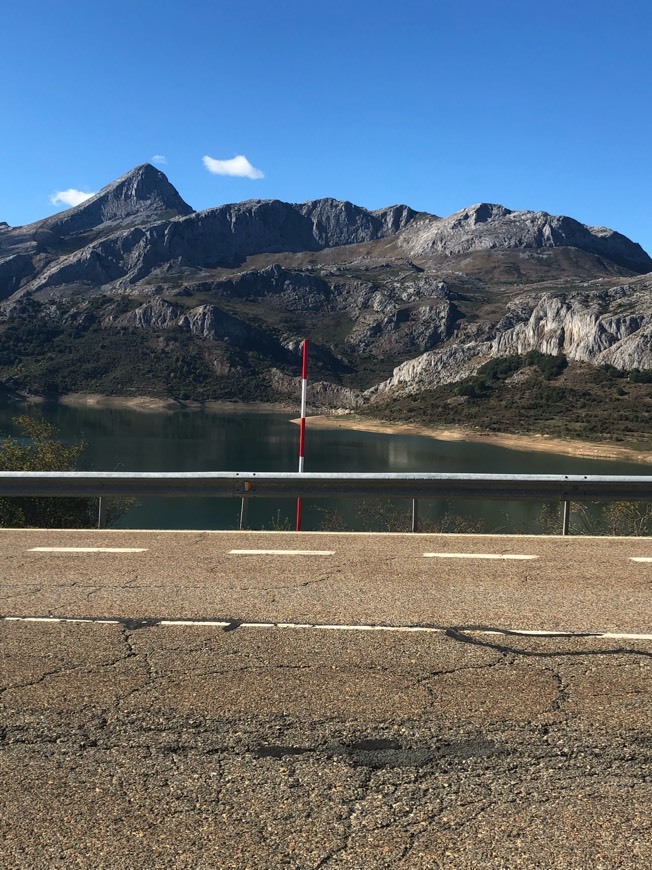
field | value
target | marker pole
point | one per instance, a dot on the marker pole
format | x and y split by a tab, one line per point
302	424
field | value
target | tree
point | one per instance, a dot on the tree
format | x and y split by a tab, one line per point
39	449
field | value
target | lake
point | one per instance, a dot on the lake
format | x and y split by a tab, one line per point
235	440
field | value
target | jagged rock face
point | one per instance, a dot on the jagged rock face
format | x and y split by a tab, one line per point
405	330
394	218
26	241
337	223
228	234
445	366
13	270
155	315
486	226
407	317
576	326
138	198
206	321
222	236
293	290
322	394
142	194
368	287
139	227
612	326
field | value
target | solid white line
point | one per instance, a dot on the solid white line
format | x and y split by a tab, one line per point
88	550
416	629
616	636
282	552
332	627
641	558
194	622
65	619
476	556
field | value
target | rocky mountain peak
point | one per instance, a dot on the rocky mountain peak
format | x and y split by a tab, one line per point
144	185
481	213
139	196
487	226
395	217
429	298
339	222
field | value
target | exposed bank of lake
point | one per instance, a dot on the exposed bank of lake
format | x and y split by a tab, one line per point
606	449
145	436
544	443
150	403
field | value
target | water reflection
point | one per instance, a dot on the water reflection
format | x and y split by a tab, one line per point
243	441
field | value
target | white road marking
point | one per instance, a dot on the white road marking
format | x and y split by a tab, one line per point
476	556
615	636
88	550
641	558
416	629
65	619
282	552
195	622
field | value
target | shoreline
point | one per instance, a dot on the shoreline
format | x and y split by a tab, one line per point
147	404
609	450
542	443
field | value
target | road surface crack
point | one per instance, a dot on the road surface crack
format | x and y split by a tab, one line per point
461	635
34	591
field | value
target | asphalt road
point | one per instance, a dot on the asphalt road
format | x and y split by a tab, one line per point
172	703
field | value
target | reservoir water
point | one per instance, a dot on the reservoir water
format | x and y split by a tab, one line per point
236	440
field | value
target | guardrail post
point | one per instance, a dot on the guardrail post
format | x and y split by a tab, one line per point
244	513
415	514
565	523
101	513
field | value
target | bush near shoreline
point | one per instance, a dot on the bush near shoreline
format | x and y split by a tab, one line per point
534	394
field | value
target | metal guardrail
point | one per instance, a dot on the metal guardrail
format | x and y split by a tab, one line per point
246	485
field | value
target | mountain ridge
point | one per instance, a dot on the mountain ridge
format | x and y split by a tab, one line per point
394	300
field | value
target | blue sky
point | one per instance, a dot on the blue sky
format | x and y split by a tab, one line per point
437	104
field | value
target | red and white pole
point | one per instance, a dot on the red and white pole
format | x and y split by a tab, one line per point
302	424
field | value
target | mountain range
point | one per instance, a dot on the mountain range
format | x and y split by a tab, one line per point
133	292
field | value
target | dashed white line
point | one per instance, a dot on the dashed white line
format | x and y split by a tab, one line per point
281	552
477	556
88	550
641	558
215	623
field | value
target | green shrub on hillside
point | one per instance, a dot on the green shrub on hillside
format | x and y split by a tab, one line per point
39	449
550	366
584	402
637	376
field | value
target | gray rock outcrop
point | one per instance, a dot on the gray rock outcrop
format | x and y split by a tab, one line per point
137	197
336	223
222	236
370	288
605	326
487	226
205	321
13	270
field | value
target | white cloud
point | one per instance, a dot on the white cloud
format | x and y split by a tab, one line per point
159	158
70	197
238	166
